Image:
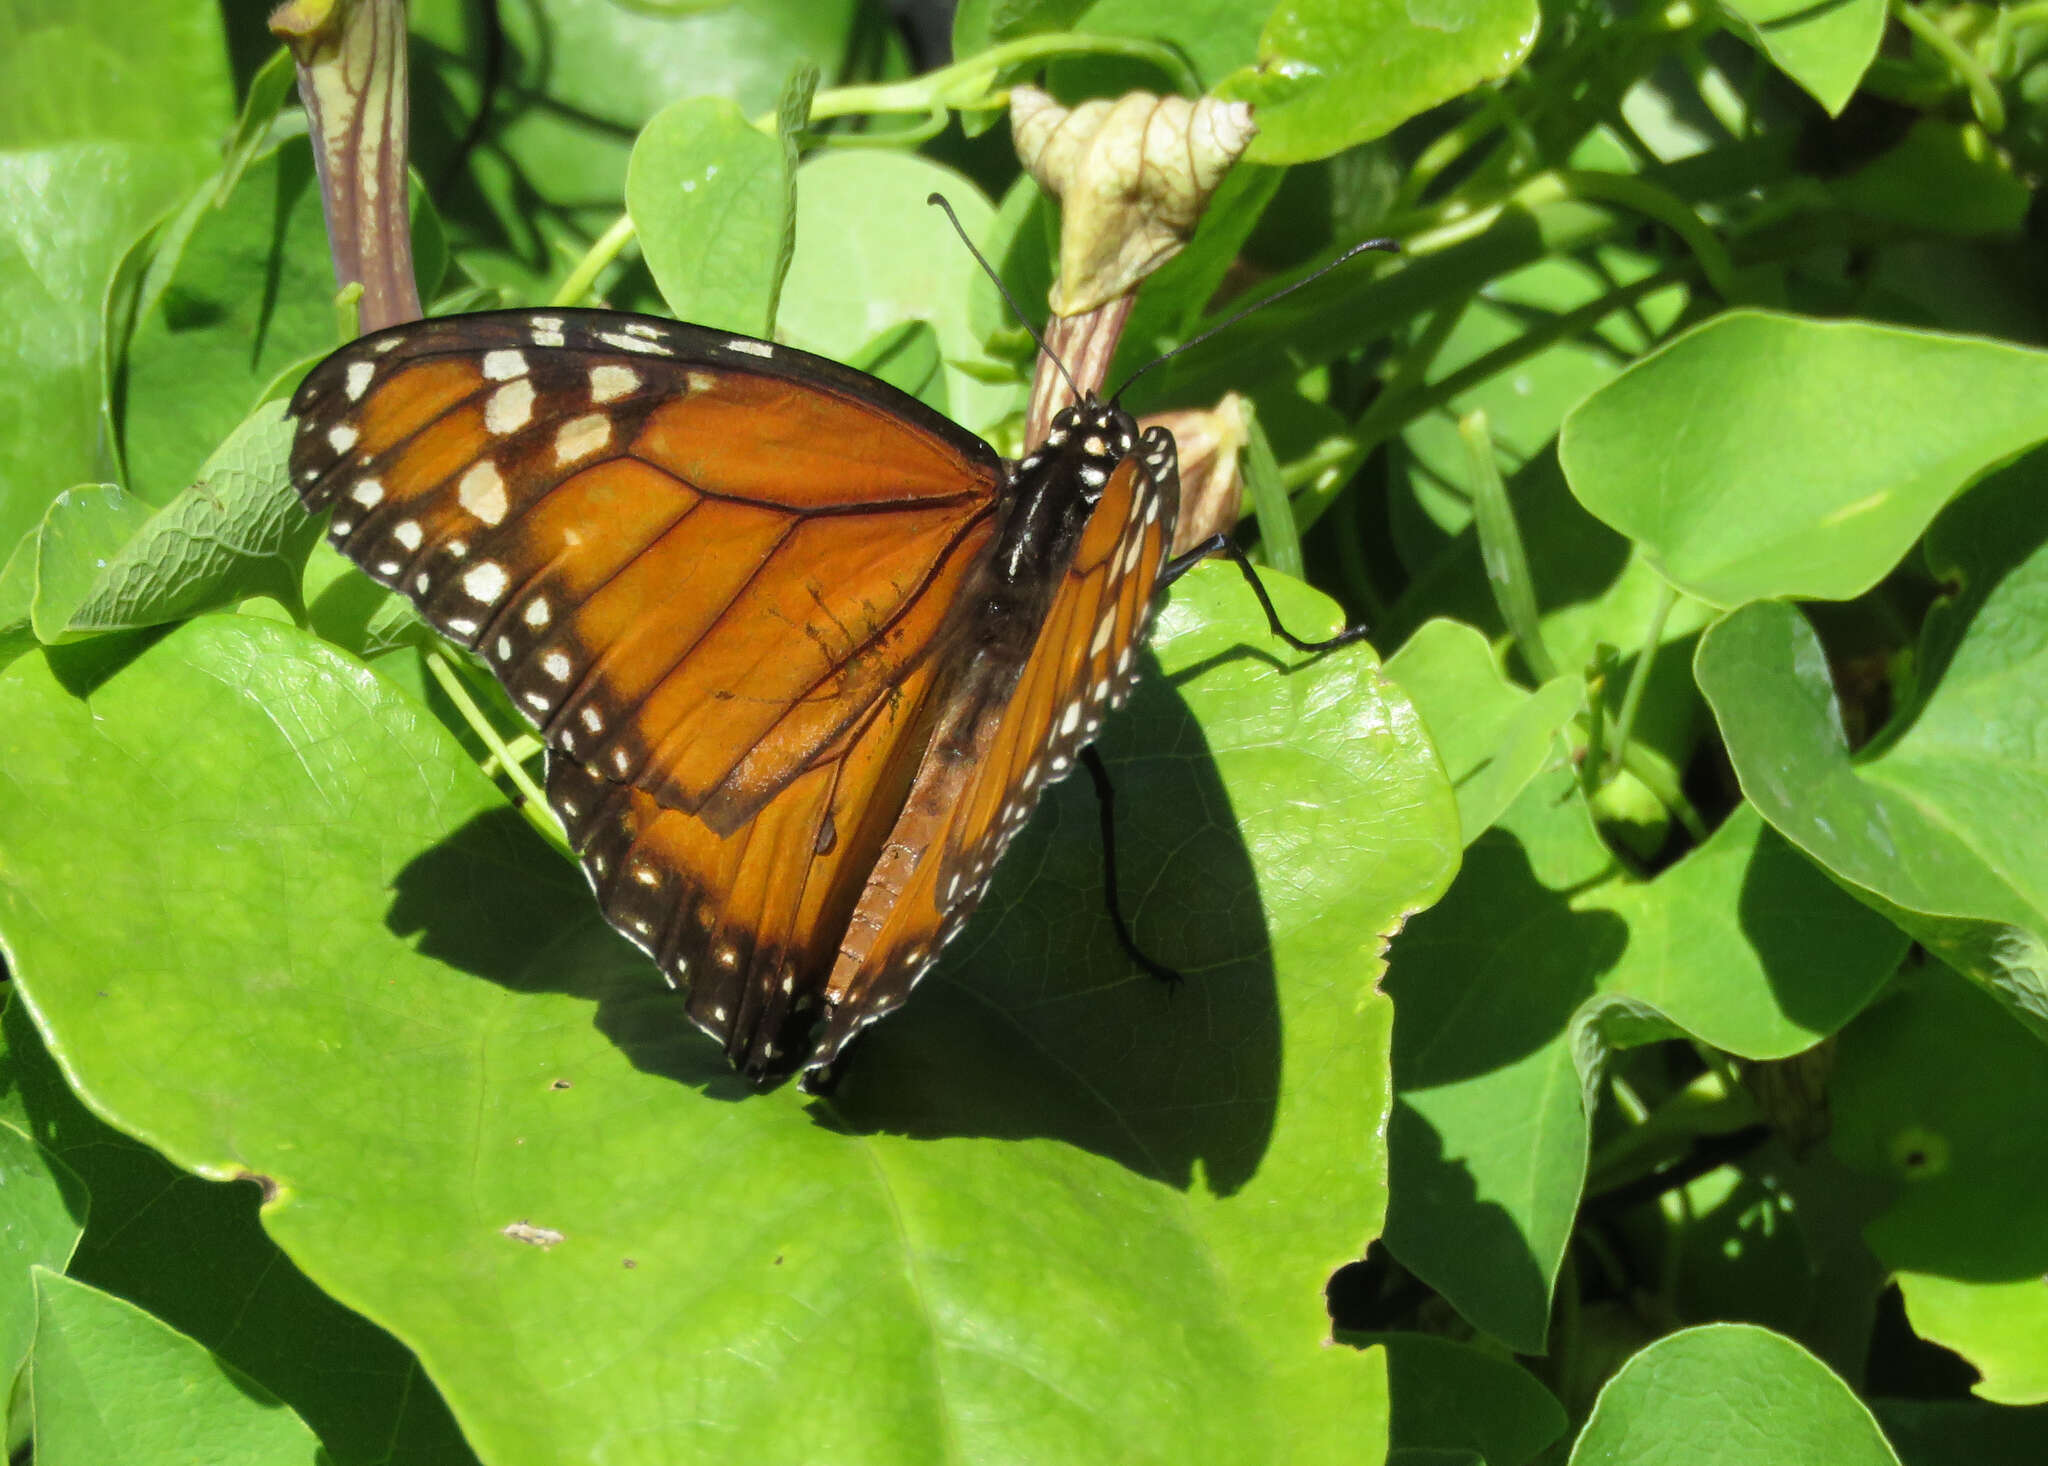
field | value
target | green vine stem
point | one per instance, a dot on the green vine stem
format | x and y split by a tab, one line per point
1646	657
1984	95
576	288
532	802
970	85
1500	547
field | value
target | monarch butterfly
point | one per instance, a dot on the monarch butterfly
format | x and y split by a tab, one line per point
804	653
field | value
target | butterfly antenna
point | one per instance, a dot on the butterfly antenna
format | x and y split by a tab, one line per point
1227	322
1009	299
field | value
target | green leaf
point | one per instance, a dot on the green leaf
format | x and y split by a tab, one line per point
1448	1396
250	294
108	113
1493	736
871	254
1218	36
1335	73
1938	1090
1733	1394
41	1209
1938	1432
1764	455
711	201
906	356
192	1253
239	531
1941	832
110	1383
567	90
1943	179
1825	48
80	537
273	82
1540	959
960	1217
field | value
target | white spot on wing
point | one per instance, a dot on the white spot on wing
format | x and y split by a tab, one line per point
407	533
482	493
609	383
502	366
582	436
485	581
341	437
510	407
536	613
368	492
633	343
556	665
752	348
359	374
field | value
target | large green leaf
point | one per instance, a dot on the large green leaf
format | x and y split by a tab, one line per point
42	1210
1942	831
485	1127
81	533
192	1253
1825	48
1493	736
1939	1091
1764	455
1729	1395
1542	957
871	254
248	296
711	198
239	531
568	88
109	110
111	1384
1335	73
1448	1396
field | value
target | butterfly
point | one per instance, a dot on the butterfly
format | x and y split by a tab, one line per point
804	653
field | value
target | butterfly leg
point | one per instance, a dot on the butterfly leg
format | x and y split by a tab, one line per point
1223	544
1105	799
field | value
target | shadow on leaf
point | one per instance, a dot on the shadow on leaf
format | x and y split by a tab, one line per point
1035	1025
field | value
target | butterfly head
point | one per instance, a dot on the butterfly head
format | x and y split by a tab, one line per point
1084	445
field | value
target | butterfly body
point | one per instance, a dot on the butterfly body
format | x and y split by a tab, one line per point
805	654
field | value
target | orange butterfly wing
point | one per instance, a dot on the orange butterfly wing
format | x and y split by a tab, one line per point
1003	741
695	561
719	575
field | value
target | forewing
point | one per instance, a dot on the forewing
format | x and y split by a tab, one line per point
695	561
721	577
